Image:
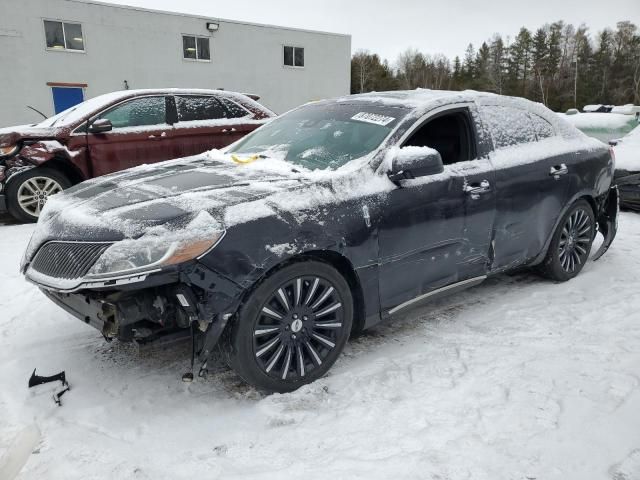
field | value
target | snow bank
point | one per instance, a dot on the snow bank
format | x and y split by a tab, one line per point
598	120
628	109
627	152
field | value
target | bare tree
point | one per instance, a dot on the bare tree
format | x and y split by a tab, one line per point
363	65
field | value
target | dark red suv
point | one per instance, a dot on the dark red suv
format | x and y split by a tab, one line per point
116	131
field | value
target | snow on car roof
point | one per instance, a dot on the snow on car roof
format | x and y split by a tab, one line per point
422	100
82	110
411	98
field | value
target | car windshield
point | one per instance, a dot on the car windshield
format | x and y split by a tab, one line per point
321	136
80	111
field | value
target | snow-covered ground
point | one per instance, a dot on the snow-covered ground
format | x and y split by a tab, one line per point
519	378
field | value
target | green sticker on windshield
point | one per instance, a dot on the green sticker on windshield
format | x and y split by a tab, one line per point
373	118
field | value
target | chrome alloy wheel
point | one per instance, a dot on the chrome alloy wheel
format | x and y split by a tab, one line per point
573	248
34	192
298	326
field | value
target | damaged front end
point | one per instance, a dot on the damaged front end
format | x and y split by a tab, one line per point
194	300
608	219
140	289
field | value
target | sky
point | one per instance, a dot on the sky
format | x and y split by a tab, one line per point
389	27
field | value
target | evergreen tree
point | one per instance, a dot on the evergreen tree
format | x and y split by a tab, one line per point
559	65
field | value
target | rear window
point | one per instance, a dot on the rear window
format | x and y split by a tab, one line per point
199	108
233	109
542	128
509	126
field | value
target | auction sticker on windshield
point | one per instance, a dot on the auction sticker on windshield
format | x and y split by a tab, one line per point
373	118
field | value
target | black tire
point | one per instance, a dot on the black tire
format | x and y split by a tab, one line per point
40	181
571	243
282	354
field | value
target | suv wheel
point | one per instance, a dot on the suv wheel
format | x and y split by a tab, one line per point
28	192
292	328
571	243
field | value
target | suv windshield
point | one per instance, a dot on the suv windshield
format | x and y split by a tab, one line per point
321	136
80	111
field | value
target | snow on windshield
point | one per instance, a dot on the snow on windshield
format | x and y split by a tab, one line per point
323	137
80	111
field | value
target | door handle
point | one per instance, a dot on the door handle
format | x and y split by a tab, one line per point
228	130
157	137
477	189
558	170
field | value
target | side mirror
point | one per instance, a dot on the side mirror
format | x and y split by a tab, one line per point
101	125
415	162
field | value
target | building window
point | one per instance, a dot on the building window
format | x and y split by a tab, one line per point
196	48
293	56
64	36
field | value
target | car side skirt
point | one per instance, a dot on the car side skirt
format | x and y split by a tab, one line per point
438	293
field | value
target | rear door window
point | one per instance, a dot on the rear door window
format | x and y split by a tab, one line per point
192	108
139	112
509	126
542	128
233	109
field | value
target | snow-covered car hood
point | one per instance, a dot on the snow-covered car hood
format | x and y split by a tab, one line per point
10	135
129	203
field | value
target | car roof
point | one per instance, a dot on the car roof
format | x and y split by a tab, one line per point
172	91
422	100
417	97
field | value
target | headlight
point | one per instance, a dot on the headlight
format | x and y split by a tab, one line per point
159	247
129	256
10	150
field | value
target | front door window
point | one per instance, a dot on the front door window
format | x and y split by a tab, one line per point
140	112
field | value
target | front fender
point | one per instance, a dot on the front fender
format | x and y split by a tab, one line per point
40	152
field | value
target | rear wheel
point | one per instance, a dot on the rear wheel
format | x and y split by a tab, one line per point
571	243
292	328
28	192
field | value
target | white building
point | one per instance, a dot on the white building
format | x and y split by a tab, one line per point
54	53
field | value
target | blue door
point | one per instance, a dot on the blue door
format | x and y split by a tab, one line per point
66	97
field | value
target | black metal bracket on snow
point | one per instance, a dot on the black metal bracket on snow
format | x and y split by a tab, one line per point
58	377
39	380
209	340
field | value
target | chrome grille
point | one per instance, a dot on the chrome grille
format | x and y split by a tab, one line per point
68	260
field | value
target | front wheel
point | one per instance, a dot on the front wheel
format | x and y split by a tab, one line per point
571	243
292	328
28	192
